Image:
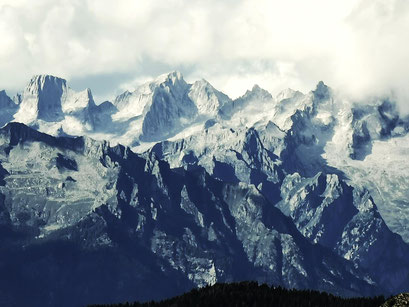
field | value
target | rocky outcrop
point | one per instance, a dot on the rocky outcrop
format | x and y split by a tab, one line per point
42	99
84	213
303	190
399	300
8	108
345	219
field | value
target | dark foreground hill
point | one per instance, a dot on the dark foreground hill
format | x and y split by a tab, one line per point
253	294
400	300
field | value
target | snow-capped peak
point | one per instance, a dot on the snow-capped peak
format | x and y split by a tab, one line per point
207	99
257	93
287	93
131	104
77	101
40	83
49	104
265	144
174	78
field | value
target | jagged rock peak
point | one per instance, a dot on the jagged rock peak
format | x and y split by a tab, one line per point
322	91
287	93
6	101
174	78
42	82
206	87
42	99
207	99
203	83
76	101
3	93
121	97
139	101
258	93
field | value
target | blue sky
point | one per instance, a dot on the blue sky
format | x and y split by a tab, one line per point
358	47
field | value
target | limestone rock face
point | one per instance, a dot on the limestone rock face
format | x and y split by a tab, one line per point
304	190
42	99
50	105
179	227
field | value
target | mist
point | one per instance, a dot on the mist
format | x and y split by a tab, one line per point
359	48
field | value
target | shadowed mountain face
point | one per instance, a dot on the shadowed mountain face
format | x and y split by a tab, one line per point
298	190
83	222
8	108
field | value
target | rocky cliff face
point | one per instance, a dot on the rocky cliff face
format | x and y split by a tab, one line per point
49	105
66	201
345	219
42	99
8	108
300	190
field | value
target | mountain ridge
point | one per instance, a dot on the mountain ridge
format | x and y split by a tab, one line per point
275	187
222	231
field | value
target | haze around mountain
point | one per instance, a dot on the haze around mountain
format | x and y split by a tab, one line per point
359	47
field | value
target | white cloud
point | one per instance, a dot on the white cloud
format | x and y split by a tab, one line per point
359	47
375	51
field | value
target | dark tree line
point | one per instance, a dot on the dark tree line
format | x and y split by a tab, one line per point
254	295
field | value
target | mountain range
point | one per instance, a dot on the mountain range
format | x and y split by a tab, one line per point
176	185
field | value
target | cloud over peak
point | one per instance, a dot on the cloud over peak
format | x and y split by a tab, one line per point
358	47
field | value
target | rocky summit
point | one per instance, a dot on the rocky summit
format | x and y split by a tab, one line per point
175	186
